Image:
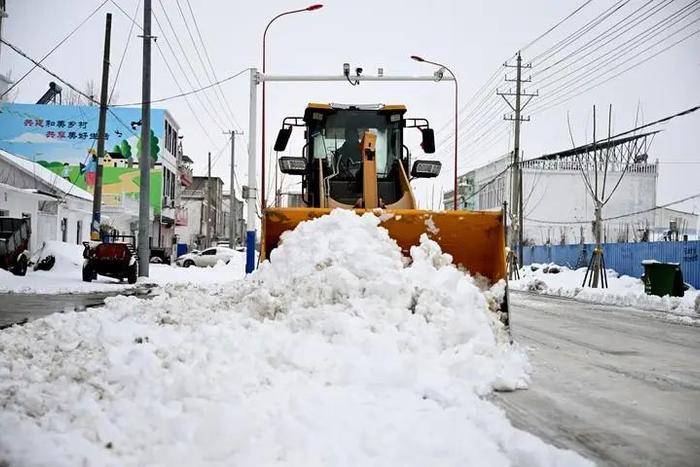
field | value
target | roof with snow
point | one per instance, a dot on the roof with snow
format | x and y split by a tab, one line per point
61	185
30	191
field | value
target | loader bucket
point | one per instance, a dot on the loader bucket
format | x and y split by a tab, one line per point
475	239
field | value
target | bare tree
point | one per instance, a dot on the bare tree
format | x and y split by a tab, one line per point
12	95
71	97
595	161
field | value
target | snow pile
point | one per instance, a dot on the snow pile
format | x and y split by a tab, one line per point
622	290
66	275
334	353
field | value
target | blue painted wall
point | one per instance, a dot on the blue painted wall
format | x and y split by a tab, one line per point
625	258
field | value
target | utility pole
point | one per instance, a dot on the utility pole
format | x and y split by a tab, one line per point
517	179
97	193
208	200
144	247
233	212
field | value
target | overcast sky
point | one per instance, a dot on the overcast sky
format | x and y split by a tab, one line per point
474	38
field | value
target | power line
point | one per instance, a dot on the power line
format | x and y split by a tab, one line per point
563	97
206	54
126	48
562	44
621	216
640	39
188	93
474	96
488	96
189	64
659	121
605	34
555	26
37	64
172	74
199	56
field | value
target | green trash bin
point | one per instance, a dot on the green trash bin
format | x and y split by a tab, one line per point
663	279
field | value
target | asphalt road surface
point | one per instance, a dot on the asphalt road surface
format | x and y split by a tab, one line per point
619	386
17	308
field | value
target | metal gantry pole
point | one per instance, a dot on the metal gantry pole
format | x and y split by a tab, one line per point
257	78
252	183
144	247
97	193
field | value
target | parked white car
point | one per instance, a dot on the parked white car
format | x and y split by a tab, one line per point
208	257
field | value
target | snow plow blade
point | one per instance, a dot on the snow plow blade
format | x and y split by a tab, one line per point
475	239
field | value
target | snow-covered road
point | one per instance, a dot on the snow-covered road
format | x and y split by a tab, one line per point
617	385
336	352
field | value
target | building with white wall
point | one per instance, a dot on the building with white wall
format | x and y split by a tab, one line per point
203	202
558	208
63	138
239	219
58	209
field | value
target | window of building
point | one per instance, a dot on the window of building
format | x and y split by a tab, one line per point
64	229
78	232
4	213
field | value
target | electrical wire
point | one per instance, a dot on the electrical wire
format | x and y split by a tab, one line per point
51	73
581	7
629	214
640	39
184	94
613	29
201	61
37	64
561	100
562	44
121	62
216	116
172	74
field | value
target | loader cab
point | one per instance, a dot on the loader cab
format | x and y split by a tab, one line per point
343	144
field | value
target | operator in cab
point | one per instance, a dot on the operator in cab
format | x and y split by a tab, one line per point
349	153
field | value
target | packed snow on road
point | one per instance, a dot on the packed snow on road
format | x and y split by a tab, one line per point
552	279
66	274
338	351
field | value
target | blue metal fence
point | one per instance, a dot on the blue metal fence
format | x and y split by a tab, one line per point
625	258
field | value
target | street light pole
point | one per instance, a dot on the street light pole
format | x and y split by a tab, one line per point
313	7
454	77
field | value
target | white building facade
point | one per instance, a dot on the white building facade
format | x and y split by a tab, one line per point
58	209
558	208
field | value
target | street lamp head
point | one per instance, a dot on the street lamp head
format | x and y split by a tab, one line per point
315	6
417	58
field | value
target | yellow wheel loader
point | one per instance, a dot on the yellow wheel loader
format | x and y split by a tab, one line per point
355	158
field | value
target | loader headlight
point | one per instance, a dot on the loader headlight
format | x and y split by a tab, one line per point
292	165
426	169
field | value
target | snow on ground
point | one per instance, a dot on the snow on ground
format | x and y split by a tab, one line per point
66	274
334	353
622	290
